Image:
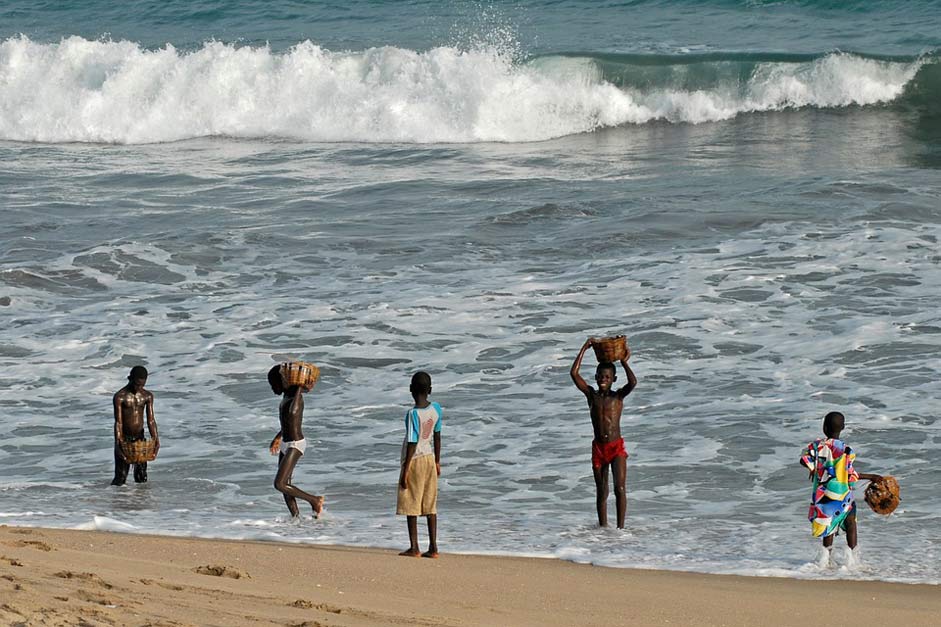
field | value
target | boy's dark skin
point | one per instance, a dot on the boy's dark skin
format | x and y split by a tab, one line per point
420	393
290	414
833	424
606	406
131	403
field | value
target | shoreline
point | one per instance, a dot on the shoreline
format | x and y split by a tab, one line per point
64	577
767	572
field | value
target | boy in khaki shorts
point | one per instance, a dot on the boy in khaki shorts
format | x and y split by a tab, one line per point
421	466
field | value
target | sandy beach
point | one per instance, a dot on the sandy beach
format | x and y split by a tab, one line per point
63	577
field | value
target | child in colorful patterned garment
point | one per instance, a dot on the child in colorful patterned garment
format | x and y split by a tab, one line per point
830	462
607	449
421	466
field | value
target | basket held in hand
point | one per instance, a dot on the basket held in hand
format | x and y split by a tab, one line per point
610	348
883	495
139	451
299	373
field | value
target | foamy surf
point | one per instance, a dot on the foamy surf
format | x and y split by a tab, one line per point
81	90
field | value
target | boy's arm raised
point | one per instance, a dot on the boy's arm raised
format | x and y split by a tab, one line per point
628	387
576	376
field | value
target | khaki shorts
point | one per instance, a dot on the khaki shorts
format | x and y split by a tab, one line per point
421	498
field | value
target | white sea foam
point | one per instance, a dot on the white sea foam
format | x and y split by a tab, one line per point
103	523
734	372
105	91
25	485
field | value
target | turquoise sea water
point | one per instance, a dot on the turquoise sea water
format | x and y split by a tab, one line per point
748	190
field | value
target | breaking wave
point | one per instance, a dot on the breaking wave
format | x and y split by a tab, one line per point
81	90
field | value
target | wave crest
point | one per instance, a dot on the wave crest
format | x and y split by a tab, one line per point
118	92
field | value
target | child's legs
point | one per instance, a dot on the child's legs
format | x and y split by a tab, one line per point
432	533
121	468
412	522
601	497
850	526
140	472
282	483
619	470
289	500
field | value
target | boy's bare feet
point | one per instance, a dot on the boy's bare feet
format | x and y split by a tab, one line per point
432	553
316	504
410	553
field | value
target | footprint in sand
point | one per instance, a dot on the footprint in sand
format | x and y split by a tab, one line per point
11	561
31	544
12	579
166	586
94	597
221	571
323	607
9	612
89	577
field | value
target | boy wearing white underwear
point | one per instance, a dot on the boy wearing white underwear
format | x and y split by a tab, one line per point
289	444
421	466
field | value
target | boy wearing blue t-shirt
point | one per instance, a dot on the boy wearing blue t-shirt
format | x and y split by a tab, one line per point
421	466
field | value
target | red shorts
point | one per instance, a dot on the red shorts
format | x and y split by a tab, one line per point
603	453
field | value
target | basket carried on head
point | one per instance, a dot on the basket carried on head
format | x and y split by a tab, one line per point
139	451
610	348
299	373
883	495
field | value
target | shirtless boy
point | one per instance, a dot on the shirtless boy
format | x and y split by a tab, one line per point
130	404
290	444
607	449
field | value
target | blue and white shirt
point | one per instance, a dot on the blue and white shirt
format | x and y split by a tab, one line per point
421	423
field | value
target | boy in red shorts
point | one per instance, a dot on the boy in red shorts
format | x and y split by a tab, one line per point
607	449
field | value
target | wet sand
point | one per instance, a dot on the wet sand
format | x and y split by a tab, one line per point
63	577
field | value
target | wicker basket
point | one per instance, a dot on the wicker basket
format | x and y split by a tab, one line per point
883	495
299	373
610	348
139	451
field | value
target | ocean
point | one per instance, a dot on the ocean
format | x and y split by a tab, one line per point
750	191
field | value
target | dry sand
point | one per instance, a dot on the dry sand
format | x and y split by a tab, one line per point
61	577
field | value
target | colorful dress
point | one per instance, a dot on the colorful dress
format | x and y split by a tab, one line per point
831	463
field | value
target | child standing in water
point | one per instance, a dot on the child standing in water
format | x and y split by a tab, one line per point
289	444
421	466
130	405
830	462
607	449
